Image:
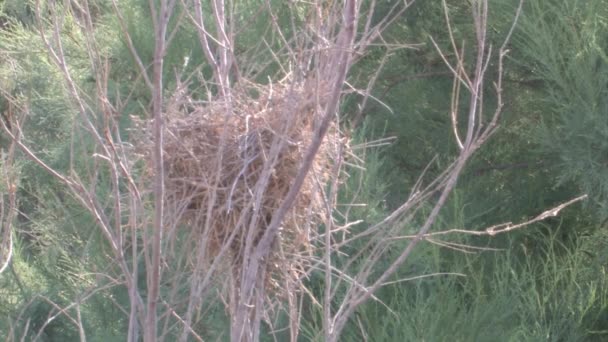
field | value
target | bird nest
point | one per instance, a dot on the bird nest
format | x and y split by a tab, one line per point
229	165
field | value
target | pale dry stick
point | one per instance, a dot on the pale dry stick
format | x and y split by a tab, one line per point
302	53
295	312
340	274
125	31
160	22
19	318
331	21
174	209
403	280
198	284
202	276
255	53
7	214
330	202
8	241
186	325
482	72
367	93
178	26
170	11
87	30
58	57
462	247
321	25
204	37
174	286
279	32
503	227
243	327
416	198
101	67
281	141
371	83
355	297
171	324
88	198
368	22
275	58
134	208
25	330
109	126
454	110
250	224
356	164
81	332
462	77
232	22
198	281
341	228
385	141
10	336
64	311
459	55
16	138
372	33
434	185
319	265
458	248
78	190
341	63
492	126
225	46
480	119
76	186
480	16
362	330
346	215
373	250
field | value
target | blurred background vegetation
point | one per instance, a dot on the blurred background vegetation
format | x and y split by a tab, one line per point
545	282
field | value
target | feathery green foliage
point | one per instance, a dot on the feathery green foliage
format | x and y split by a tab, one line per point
546	282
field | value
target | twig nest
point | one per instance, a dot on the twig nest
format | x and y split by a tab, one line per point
229	164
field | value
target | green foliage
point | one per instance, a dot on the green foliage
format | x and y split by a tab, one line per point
17	11
500	298
548	282
522	171
564	45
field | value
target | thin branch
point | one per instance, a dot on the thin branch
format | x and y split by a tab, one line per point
142	69
423	276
